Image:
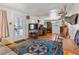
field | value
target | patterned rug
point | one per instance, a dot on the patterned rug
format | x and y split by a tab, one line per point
42	47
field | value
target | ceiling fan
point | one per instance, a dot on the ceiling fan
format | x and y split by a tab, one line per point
63	13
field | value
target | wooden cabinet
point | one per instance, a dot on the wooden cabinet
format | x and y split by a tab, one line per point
64	31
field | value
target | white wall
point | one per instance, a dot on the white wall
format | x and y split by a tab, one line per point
74	9
11	14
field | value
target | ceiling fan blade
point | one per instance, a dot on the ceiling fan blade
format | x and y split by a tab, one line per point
65	9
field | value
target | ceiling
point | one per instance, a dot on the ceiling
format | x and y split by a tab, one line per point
34	9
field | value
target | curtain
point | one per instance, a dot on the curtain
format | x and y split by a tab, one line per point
4	32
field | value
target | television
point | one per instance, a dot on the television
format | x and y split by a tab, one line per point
33	26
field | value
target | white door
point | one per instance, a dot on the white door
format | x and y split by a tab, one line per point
19	28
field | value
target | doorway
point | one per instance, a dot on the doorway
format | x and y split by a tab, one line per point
49	27
48	34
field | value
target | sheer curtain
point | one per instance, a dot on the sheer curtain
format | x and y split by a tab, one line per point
4	32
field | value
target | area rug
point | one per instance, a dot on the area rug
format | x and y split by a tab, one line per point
42	47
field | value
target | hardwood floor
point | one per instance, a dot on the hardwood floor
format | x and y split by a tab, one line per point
69	46
47	36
